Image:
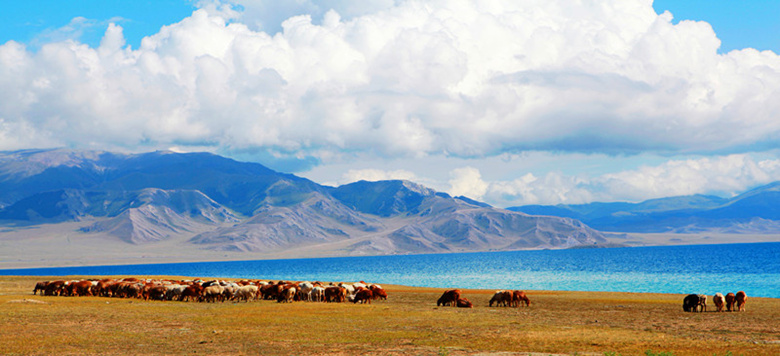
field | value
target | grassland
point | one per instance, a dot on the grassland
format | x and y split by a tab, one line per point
558	322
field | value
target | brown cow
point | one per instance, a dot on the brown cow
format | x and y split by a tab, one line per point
54	288
335	294
40	286
80	288
741	299
730	299
154	292
192	292
363	296
719	300
449	297
464	303
501	297
519	298
378	292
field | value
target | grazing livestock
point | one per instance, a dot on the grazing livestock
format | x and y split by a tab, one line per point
464	303
702	303
501	297
719	300
363	296
192	292
213	293
334	294
730	300
350	289
174	291
54	288
40	286
287	295
690	303
154	292
519	298
304	290
378	292
317	294
449	297
246	293
80	288
741	298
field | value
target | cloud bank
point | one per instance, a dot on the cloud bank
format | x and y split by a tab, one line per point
322	79
723	175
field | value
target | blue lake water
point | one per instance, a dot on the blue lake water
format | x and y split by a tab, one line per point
754	268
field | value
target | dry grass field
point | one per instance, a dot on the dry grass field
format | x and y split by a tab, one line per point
569	323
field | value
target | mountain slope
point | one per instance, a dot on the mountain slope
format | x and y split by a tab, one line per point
755	211
204	201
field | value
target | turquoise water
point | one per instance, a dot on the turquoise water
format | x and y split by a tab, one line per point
754	268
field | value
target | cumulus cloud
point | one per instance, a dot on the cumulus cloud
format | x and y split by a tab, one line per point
721	175
412	78
374	175
467	182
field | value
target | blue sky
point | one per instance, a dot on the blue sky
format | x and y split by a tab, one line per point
549	102
39	20
739	24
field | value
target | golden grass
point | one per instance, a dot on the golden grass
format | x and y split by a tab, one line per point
408	323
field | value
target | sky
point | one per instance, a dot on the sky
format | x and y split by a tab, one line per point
504	101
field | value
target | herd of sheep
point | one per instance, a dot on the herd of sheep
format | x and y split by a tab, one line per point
214	291
281	291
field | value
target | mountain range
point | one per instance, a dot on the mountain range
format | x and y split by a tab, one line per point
164	203
754	212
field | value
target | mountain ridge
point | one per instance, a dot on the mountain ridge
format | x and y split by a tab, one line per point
754	211
205	202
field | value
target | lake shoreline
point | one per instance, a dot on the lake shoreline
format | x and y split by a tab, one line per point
63	260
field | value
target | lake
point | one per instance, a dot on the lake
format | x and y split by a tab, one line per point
706	269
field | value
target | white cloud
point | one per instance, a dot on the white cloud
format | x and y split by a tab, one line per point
374	175
467	182
410	78
721	175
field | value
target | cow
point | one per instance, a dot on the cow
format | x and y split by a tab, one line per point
304	290
192	292
246	293
335	294
155	292
363	296
519	298
691	303
378	292
501	297
317	294
464	303
287	295
174	291
702	303
719	300
54	288
80	288
449	297
741	299
212	293
271	291
730	300
40	286
103	288
350	289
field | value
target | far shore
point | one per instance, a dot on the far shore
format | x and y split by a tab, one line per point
54	253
